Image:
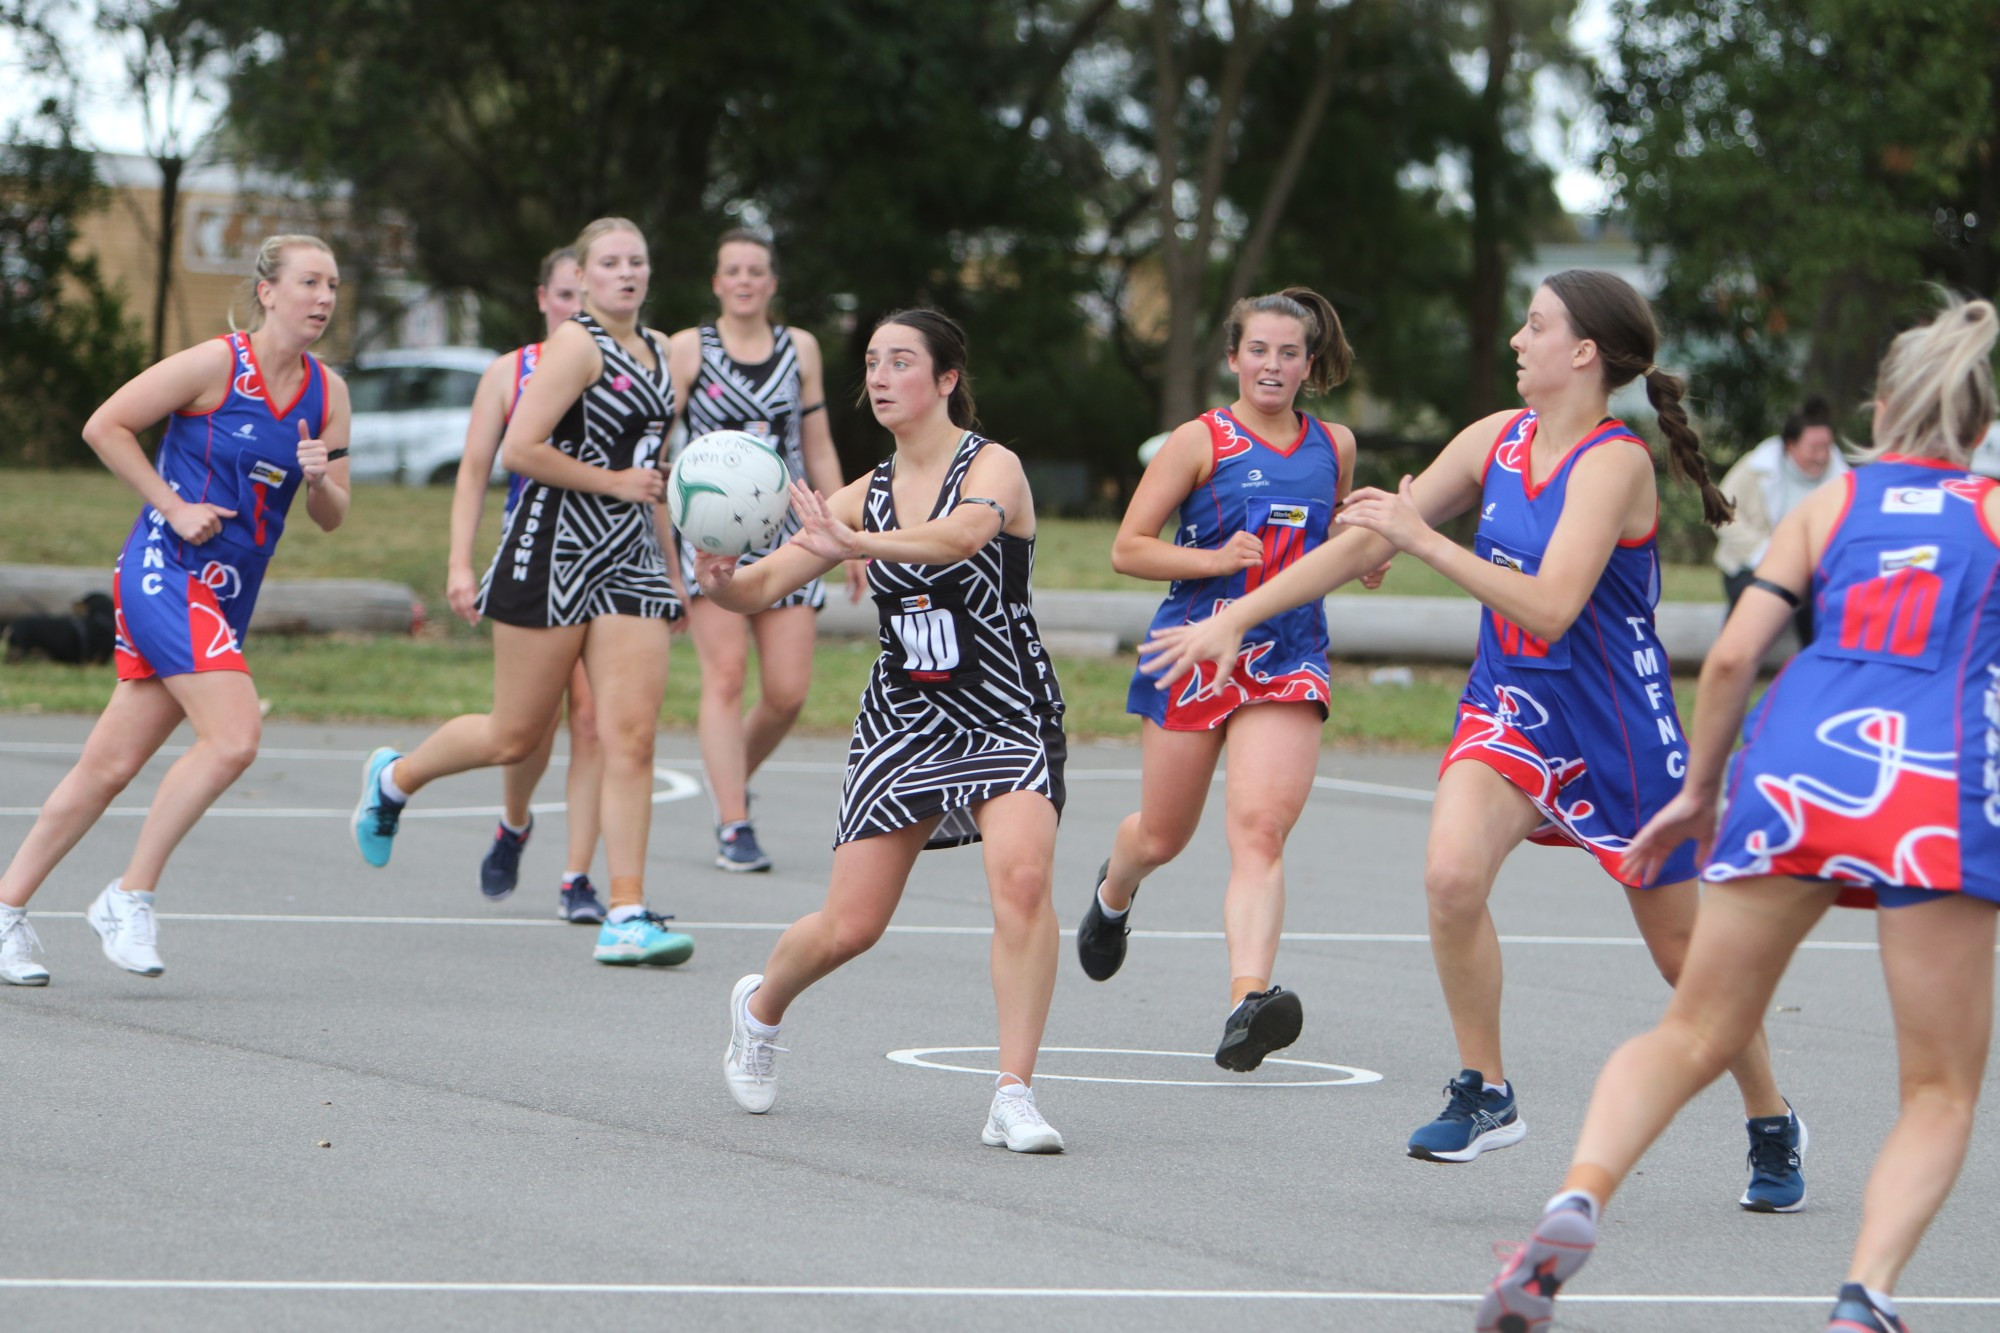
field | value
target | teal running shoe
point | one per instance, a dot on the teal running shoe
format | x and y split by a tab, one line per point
642	939
375	815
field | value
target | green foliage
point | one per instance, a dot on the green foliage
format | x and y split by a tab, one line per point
64	341
1804	164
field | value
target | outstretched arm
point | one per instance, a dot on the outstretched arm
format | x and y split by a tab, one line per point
468	494
747	589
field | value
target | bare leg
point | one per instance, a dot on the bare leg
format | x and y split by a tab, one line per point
1938	959
722	642
222	706
868	879
1018	833
585	792
529	669
627	659
1666	917
1744	937
1274	751
1477	818
518	781
130	730
784	674
1175	770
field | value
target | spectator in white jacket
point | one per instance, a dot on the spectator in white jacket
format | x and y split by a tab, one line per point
1768	483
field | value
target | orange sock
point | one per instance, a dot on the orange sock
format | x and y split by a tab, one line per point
627	891
1242	986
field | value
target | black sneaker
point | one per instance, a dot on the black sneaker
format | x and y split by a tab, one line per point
1100	941
501	869
1266	1021
736	849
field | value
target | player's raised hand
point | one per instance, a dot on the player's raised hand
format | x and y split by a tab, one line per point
1394	517
313	460
819	531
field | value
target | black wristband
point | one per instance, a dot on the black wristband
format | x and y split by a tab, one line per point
819	406
335	455
994	505
1778	590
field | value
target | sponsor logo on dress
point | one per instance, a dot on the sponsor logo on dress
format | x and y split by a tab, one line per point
920	602
246	431
1505	561
1913	500
1910	557
1488	511
1286	516
270	474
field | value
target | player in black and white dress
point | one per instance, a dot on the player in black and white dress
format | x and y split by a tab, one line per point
579	572
745	373
959	738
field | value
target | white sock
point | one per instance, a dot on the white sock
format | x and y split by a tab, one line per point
1493	1087
1589	1201
1015	1089
762	1031
1110	913
9	915
389	787
517	832
139	896
626	913
1881	1301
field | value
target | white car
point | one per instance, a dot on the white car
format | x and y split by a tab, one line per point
411	409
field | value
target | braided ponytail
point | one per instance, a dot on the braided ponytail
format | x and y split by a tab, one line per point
1605	309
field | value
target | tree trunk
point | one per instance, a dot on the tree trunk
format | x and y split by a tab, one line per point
1487	288
163	258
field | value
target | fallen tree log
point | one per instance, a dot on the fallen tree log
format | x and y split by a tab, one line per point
284	606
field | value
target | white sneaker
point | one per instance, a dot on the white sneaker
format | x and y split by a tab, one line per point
747	1064
125	924
18	947
1014	1121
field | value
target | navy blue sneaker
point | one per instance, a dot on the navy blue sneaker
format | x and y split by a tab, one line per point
1523	1297
1777	1146
1473	1121
501	869
579	903
737	850
375	815
1855	1313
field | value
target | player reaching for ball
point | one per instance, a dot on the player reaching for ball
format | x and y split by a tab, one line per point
1255	485
743	372
1567	731
558	296
579	573
1866	779
251	418
959	738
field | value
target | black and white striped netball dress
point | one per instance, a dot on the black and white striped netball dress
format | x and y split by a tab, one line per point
764	400
963	703
568	557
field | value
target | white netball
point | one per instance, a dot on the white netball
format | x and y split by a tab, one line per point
726	492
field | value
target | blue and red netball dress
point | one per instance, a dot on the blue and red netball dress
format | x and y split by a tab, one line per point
1585	726
1874	759
184	607
1284	495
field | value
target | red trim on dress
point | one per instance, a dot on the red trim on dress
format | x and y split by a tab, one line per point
1305	424
263	393
1937	463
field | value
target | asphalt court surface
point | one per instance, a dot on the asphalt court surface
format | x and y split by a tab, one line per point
523	1139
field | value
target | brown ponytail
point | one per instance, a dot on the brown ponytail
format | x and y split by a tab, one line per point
1326	341
1605	309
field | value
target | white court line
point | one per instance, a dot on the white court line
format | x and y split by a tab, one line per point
918	1057
981	932
1030	1293
1349	785
679	787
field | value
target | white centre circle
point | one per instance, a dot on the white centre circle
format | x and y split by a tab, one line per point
1348	1076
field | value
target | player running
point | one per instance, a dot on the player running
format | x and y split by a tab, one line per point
959	738
743	372
579	574
252	418
1255	485
558	296
1567	732
1866	779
